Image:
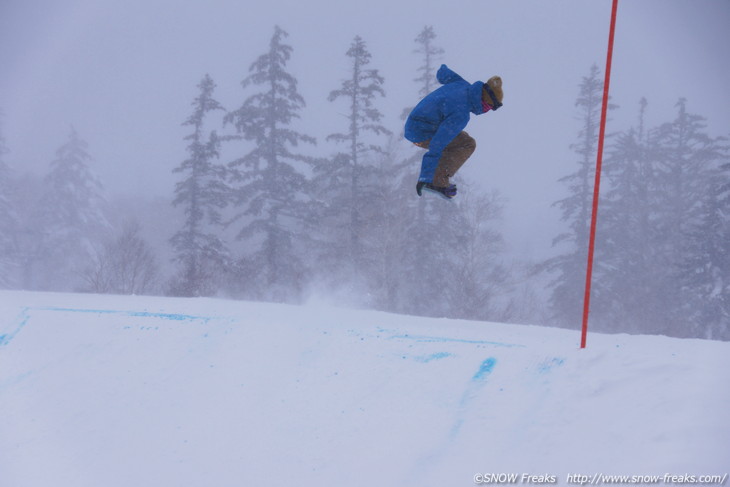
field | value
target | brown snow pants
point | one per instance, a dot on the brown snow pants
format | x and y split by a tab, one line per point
454	156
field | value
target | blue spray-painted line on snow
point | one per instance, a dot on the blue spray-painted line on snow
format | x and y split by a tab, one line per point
24	316
21	321
16	380
440	450
135	314
549	364
484	369
477	382
424	359
434	339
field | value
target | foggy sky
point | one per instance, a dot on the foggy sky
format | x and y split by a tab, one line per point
125	73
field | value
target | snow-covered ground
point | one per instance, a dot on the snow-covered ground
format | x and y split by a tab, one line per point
106	391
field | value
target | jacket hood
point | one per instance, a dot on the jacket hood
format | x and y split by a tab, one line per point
445	76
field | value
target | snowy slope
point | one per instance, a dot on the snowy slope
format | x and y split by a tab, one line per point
138	391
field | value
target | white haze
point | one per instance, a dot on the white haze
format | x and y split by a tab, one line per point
124	75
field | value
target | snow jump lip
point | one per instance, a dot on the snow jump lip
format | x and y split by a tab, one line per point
25	315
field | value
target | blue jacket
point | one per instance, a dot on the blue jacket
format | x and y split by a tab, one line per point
442	115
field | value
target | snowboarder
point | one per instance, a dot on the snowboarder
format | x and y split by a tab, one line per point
437	124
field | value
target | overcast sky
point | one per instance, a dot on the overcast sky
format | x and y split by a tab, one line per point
125	73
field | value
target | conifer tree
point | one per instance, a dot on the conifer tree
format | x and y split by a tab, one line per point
347	181
429	56
685	169
717	215
271	190
430	60
662	257
202	194
687	154
705	269
426	256
73	215
567	292
631	266
703	264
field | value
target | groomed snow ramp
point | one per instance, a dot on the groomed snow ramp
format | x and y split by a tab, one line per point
107	391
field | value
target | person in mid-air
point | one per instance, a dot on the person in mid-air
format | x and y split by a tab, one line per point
437	124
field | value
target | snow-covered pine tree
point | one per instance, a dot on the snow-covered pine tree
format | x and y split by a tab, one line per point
347	181
687	153
683	164
72	216
705	270
724	198
719	294
567	287
272	192
631	269
8	221
430	56
425	256
703	264
202	193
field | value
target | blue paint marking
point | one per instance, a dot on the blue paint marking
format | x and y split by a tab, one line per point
435	356
135	314
548	364
24	316
485	369
432	339
476	384
456	428
22	320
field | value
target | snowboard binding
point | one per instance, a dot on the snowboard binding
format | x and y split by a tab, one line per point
447	192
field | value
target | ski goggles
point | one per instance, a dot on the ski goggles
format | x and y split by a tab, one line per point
491	94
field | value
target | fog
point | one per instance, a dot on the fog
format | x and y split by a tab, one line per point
124	74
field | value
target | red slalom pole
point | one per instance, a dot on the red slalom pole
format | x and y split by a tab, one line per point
597	185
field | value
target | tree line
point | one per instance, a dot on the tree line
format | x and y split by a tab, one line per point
264	219
662	258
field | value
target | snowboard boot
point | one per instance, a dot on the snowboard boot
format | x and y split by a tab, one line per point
447	192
